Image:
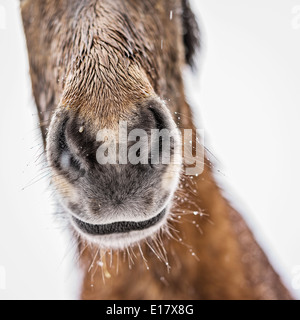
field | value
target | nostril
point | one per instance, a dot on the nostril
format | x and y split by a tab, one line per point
159	119
63	155
164	138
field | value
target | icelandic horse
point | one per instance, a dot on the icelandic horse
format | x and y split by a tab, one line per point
143	230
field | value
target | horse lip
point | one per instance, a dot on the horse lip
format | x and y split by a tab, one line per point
118	227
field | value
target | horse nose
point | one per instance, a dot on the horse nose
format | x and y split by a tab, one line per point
136	186
148	138
79	146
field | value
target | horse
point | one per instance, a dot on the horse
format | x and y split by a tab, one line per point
145	228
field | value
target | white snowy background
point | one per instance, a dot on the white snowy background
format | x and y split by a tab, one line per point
248	96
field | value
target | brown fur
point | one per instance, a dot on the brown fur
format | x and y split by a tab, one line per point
101	58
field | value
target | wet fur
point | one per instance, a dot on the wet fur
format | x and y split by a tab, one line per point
101	66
